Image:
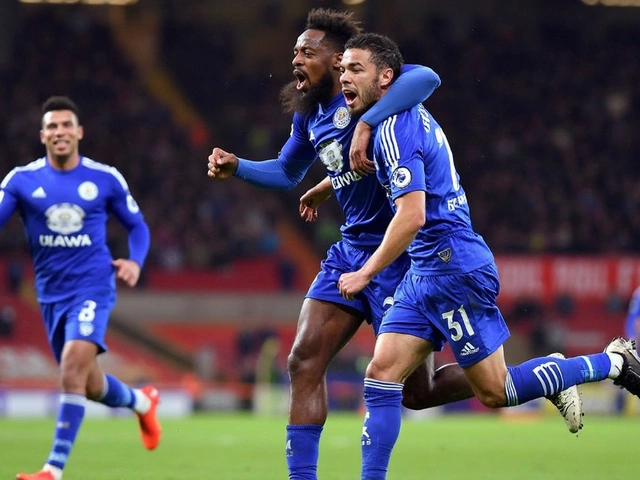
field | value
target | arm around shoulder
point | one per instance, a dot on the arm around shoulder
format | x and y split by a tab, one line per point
415	84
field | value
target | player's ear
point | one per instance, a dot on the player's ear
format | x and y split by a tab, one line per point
42	139
386	78
80	132
337	59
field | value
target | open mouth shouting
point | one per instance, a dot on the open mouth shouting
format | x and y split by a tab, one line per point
350	96
303	80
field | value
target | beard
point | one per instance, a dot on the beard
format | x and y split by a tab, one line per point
368	96
292	100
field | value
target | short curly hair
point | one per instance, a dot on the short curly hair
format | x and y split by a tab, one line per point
338	26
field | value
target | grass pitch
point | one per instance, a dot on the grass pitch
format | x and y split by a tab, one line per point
247	447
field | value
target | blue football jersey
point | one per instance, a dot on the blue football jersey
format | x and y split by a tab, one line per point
326	134
363	201
65	217
411	153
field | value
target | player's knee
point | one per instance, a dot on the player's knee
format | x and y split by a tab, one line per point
299	364
491	397
73	377
378	371
294	363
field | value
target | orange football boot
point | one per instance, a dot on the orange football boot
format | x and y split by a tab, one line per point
150	429
41	475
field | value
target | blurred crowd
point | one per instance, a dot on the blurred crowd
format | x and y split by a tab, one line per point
543	130
194	222
543	127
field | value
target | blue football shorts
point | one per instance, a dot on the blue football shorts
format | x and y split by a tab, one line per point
375	299
458	308
82	317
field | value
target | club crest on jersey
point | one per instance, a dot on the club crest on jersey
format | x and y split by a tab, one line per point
341	118
331	155
445	255
401	177
88	191
65	218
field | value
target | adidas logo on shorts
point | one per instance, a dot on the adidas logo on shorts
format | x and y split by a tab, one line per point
468	349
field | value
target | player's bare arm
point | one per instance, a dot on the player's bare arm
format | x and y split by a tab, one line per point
358	151
403	228
313	198
222	165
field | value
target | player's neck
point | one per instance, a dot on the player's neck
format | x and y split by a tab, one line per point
337	87
64	163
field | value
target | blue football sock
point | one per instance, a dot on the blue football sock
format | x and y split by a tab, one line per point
302	451
544	376
116	393
383	402
70	415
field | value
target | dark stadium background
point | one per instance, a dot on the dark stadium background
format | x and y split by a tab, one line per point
540	100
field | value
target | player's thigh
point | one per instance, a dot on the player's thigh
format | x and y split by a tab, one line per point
53	317
397	355
488	376
324	328
370	304
381	291
340	259
87	317
79	356
408	315
464	308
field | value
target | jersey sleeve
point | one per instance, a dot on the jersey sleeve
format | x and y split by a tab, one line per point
127	211
415	84
286	171
399	151
8	198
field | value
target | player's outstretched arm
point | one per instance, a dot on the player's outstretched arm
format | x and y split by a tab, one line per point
415	84
222	165
282	173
